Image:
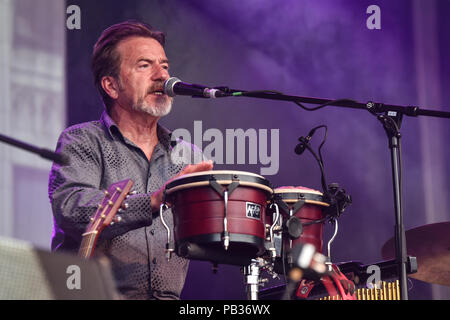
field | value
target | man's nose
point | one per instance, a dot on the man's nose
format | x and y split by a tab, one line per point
160	74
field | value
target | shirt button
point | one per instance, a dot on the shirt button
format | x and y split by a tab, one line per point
152	232
154	260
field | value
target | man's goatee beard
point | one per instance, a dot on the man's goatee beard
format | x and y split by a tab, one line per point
158	110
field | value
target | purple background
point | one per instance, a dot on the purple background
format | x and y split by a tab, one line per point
306	48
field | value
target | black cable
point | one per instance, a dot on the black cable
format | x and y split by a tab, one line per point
319	158
274	93
323	105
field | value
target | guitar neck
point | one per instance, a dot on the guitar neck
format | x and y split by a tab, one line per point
88	244
104	215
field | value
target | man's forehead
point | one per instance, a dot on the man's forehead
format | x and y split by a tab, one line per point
141	47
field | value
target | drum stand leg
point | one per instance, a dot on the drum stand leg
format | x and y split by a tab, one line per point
253	282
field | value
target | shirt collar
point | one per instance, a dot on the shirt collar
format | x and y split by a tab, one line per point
164	134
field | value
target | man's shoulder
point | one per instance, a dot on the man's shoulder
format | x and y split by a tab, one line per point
89	127
81	132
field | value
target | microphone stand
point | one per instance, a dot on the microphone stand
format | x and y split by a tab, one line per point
390	116
44	153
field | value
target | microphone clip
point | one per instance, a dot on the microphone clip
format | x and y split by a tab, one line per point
338	200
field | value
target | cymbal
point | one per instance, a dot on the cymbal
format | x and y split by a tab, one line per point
431	245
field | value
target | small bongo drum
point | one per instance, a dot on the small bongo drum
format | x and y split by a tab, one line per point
219	216
305	204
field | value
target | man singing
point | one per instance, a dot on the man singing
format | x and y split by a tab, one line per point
130	66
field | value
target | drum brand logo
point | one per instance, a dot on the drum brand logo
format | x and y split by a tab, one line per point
253	210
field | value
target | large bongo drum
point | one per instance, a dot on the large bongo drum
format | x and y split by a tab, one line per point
307	205
219	215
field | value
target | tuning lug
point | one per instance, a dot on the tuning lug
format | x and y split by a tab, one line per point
117	219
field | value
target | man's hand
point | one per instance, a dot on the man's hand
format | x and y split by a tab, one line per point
157	197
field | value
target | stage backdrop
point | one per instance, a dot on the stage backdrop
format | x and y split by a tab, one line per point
32	107
328	48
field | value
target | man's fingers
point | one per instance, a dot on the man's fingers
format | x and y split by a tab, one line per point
202	166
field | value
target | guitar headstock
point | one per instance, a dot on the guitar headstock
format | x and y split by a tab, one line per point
107	209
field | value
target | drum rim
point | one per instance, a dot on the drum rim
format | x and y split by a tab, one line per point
290	195
296	190
223	177
223	172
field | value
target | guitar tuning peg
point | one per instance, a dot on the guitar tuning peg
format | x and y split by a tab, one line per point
124	205
92	219
116	220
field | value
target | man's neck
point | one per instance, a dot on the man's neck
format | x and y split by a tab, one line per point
137	126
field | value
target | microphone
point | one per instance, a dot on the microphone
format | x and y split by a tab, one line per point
174	86
300	148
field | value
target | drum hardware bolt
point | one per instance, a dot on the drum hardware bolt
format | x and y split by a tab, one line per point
169	251
226	242
226	237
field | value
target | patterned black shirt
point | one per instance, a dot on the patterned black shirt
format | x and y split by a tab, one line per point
100	156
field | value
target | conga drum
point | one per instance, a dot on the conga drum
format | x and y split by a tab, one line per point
305	204
219	215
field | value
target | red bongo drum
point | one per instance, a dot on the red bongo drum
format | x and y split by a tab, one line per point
219	216
305	204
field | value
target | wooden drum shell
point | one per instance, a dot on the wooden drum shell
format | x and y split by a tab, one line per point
198	212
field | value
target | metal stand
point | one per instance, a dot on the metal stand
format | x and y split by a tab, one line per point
44	153
390	116
391	121
253	282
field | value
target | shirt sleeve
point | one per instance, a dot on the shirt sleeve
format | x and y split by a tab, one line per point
75	191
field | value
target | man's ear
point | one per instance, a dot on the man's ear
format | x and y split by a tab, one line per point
111	86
